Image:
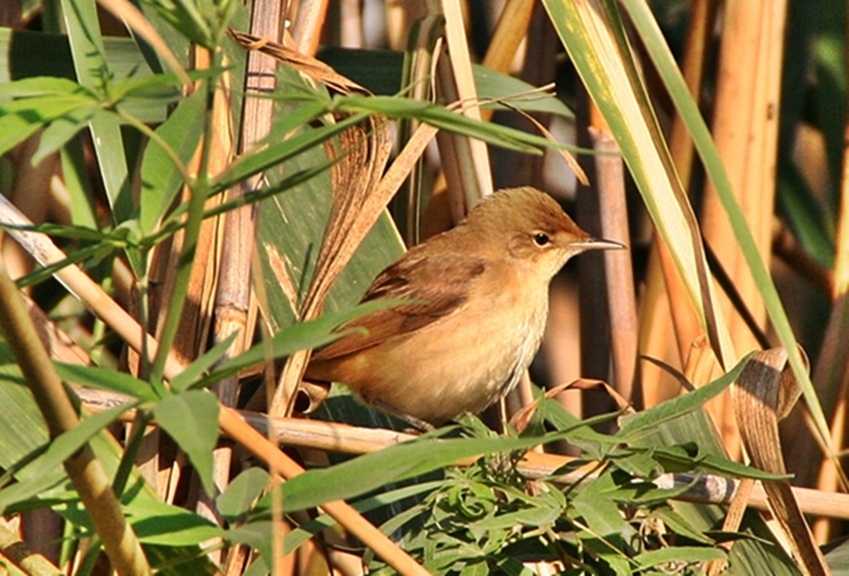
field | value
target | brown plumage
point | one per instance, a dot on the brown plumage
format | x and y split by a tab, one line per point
479	303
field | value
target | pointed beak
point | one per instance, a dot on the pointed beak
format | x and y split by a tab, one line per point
594	244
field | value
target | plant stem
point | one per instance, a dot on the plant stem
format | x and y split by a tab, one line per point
84	470
198	192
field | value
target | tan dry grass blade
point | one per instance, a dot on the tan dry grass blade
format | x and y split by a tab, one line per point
667	289
667	315
196	318
464	161
423	45
522	417
362	152
569	158
669	326
693	68
746	136
457	159
455	73
307	65
763	395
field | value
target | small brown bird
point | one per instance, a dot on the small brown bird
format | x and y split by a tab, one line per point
480	303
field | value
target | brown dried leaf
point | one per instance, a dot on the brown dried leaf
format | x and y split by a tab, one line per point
358	200
520	420
307	65
763	394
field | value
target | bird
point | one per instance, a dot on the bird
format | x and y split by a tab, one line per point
475	304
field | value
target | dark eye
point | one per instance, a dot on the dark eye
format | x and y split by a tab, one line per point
541	239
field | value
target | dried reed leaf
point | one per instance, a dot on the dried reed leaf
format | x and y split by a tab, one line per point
424	43
362	153
307	65
763	394
746	137
672	316
567	156
196	319
521	419
457	160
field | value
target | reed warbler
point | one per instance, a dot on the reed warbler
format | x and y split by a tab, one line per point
478	307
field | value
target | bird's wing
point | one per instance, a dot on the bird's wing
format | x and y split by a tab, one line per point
436	286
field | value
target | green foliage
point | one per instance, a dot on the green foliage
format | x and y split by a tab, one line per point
191	419
489	518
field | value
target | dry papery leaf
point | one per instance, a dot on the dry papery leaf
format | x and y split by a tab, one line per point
362	152
520	420
763	395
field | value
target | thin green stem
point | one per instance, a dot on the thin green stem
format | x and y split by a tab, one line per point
143	283
131	451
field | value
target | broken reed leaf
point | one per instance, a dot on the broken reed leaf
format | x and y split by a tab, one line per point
759	403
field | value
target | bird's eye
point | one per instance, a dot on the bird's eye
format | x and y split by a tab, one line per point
541	239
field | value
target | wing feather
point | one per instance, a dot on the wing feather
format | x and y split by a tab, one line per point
436	285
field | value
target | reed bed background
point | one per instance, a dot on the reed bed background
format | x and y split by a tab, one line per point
196	193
